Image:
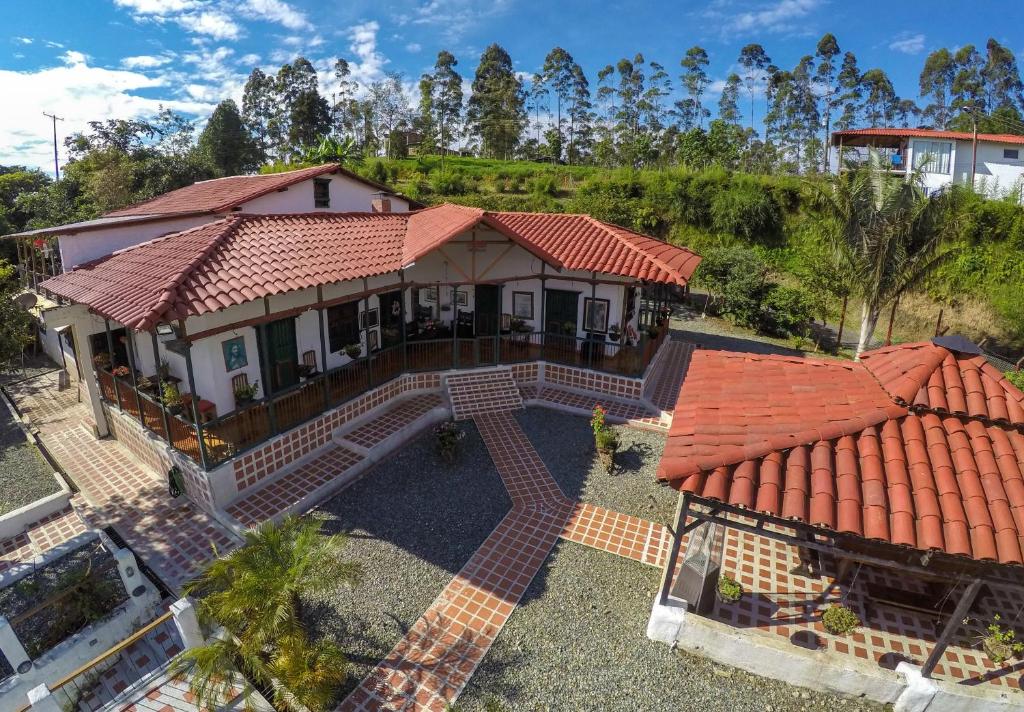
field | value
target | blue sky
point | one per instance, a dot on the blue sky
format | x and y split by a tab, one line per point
98	59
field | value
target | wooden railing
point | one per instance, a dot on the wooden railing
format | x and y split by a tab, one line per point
250	425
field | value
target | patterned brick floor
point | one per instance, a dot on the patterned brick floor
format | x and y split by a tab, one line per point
783	599
483	392
173	536
39	537
398	416
617	533
268	501
168	694
662	386
617	411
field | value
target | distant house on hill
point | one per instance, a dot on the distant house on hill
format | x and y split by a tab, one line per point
994	162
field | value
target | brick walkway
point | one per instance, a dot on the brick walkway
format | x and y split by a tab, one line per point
431	665
174	537
39	537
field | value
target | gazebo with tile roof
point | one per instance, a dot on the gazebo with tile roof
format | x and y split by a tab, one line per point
911	459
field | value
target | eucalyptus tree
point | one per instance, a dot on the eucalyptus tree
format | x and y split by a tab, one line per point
695	80
755	62
827	80
880	97
343	109
259	109
495	110
852	92
1001	77
936	84
580	115
447	98
728	101
557	72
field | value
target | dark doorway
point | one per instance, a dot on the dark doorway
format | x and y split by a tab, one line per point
390	318
98	343
488	309
283	352
561	311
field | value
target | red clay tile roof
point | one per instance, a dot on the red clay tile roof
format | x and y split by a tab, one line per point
925	133
244	257
220	194
811	441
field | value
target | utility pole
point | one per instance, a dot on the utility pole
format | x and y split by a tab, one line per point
56	169
974	144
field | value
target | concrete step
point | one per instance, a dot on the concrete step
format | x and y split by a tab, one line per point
485	391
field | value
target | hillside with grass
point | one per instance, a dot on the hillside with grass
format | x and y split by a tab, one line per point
721	213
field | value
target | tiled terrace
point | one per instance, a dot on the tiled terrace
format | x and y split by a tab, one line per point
173	536
782	599
391	421
39	537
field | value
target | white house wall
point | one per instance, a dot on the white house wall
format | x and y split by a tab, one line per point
85	246
347	195
995	176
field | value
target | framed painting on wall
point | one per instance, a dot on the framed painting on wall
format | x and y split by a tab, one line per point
430	294
234	354
595	315
461	298
522	305
369	318
373	340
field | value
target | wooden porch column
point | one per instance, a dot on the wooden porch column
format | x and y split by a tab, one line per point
590	332
543	308
366	331
128	340
954	622
497	331
113	363
195	396
323	345
682	510
160	388
455	324
401	316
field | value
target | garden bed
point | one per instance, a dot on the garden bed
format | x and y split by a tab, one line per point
413	521
577	642
566	445
24	474
100	592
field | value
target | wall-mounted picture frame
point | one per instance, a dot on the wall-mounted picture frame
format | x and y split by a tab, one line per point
369	319
430	295
595	315
373	341
234	354
522	305
461	298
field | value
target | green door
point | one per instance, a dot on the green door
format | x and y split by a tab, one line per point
561	311
488	310
390	318
281	347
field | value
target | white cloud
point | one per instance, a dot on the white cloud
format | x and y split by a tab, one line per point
773	17
215	23
79	93
908	43
455	17
23	40
249	60
157	7
369	64
275	11
413	47
57	45
145	61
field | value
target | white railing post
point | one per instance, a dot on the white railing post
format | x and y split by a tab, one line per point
184	612
40	700
128	568
12	648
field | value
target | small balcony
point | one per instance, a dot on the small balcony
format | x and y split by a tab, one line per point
225	436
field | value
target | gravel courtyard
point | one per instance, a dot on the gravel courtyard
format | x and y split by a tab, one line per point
412	522
24	474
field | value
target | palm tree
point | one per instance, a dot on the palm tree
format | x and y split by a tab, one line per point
885	232
332	150
256	593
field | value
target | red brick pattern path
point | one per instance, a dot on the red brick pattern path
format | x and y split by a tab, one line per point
430	666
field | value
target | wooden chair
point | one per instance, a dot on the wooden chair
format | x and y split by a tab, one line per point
239	381
308	367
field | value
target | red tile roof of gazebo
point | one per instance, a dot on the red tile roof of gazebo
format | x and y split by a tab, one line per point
245	257
917	445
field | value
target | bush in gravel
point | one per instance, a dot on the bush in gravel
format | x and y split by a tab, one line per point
839	619
448	436
729	589
256	592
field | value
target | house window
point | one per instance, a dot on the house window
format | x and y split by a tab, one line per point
321	193
343	325
933	156
1011	153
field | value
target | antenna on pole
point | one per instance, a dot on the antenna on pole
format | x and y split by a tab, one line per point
56	169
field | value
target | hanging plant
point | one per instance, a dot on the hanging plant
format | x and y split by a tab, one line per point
1000	644
729	590
839	619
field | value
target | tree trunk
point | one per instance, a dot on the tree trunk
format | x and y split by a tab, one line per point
868	321
842	323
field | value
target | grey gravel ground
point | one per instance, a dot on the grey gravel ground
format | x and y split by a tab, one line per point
32	366
24	474
718	334
412	521
566	444
578	643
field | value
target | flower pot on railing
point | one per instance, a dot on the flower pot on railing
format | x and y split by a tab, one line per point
245	395
353	351
306	370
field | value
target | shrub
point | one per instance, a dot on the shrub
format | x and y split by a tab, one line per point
1016	378
1000	644
737	278
839	620
378	172
729	589
448	183
607	439
448	436
785	310
543	185
747	209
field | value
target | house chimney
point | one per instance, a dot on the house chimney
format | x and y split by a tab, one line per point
380	205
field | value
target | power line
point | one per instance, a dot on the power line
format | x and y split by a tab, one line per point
56	168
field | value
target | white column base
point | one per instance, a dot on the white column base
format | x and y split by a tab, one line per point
184	612
40	700
919	691
12	648
665	622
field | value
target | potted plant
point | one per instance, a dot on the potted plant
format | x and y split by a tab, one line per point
569	328
605	439
353	351
101	361
246	394
448	436
121	372
729	590
614	333
172	398
839	619
146	385
1000	644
